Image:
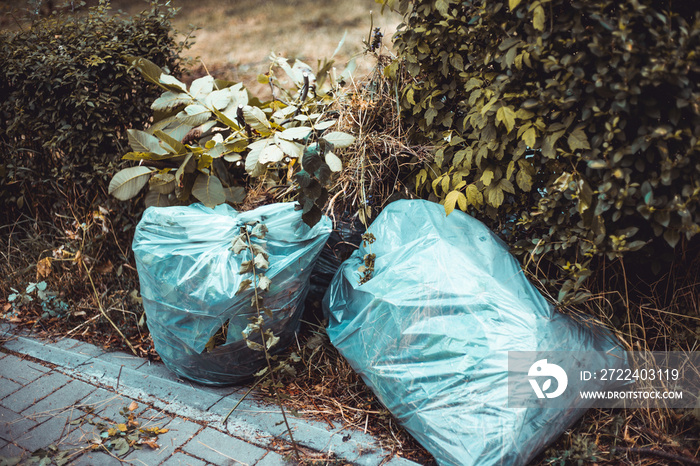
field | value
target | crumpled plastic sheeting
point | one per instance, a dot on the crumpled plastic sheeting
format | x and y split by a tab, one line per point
189	279
431	331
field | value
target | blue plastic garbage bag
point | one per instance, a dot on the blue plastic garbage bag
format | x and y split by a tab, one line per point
431	331
189	278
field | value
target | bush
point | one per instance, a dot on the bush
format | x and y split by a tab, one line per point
69	97
571	127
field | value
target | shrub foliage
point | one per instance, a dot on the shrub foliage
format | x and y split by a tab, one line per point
572	127
202	134
69	97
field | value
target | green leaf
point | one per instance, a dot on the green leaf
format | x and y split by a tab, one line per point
121	446
324	125
155	199
202	87
141	141
208	190
252	159
292	149
270	154
235	194
452	199
162	183
506	115
256	119
194	115
219	99
147	68
339	139
169	100
672	237
299	133
174	144
128	182
172	83
334	162
188	165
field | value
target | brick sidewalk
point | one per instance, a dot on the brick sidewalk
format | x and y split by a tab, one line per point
71	392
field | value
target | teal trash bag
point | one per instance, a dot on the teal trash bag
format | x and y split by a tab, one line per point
190	277
430	334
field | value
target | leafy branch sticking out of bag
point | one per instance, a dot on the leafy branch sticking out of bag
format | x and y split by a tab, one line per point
203	136
367	270
257	266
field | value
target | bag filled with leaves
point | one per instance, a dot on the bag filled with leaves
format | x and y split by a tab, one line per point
427	310
211	278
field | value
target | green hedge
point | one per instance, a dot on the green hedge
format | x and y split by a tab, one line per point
69	97
571	127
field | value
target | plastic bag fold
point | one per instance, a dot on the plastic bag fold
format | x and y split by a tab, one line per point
189	280
431	330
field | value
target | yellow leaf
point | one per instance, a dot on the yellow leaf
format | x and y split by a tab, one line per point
513	4
530	137
506	115
495	196
538	18
452	199
121	427
487	177
112	432
474	196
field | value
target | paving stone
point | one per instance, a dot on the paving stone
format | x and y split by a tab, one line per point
181	459
150	417
273	459
122	359
45	434
34	391
12	424
106	404
12	451
6	328
170	390
21	371
7	386
179	432
79	347
96	458
46	352
83	434
60	400
398	461
216	447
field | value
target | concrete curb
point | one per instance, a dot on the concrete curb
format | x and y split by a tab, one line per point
254	422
